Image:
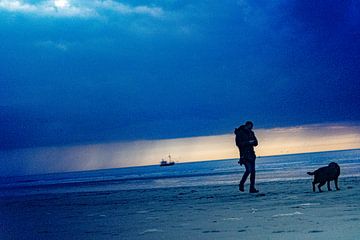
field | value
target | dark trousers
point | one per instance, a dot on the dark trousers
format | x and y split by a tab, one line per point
249	169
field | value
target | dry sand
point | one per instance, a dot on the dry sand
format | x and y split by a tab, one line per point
289	210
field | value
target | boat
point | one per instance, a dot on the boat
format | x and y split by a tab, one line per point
165	163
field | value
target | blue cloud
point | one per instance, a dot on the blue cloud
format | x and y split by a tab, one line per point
76	8
174	69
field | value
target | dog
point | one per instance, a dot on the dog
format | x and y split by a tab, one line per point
326	174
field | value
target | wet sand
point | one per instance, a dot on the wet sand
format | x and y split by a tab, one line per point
283	210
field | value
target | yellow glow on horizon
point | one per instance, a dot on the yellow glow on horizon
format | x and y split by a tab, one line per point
275	141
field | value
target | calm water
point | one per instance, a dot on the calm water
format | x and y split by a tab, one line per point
181	174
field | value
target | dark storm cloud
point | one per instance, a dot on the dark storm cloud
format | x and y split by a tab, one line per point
179	69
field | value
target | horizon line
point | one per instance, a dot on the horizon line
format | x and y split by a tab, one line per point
190	162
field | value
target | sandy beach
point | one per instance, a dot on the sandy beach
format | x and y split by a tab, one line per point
284	210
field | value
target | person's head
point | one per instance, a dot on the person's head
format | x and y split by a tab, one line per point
249	125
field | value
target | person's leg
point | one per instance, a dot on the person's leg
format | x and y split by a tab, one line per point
245	175
252	177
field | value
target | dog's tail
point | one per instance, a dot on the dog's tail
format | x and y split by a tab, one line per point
310	173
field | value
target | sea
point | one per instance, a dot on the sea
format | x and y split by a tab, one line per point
215	172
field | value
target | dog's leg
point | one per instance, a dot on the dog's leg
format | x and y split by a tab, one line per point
336	184
320	185
328	185
313	184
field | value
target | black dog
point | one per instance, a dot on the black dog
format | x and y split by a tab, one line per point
326	174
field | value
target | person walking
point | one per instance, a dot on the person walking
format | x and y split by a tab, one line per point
246	141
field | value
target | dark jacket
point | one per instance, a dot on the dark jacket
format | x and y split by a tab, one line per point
243	136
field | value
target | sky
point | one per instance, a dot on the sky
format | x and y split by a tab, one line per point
79	73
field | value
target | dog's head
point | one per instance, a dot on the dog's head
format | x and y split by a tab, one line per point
333	165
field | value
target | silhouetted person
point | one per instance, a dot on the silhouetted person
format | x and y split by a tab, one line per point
245	140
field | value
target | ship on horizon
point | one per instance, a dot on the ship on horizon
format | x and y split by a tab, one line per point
165	163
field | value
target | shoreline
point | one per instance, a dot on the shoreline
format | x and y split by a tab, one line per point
80	184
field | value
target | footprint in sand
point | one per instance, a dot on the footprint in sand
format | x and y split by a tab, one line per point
212	231
281	231
316	231
196	229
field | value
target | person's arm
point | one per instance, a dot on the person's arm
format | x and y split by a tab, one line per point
254	140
